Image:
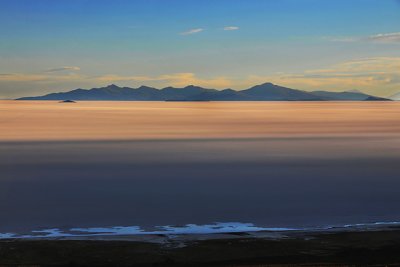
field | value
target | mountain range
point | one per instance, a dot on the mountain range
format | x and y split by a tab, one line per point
262	92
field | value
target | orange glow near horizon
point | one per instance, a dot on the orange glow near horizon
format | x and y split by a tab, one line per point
106	120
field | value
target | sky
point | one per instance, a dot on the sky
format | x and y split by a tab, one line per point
50	46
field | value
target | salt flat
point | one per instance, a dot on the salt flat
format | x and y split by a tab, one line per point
97	120
147	164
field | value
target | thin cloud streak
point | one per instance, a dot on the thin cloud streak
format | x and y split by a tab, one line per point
393	37
65	68
231	28
386	37
192	31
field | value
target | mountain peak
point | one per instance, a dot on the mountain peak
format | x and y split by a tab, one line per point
267	84
191	86
112	86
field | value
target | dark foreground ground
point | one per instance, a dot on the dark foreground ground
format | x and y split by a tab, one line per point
373	248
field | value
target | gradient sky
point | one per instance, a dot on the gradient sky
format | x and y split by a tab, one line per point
50	46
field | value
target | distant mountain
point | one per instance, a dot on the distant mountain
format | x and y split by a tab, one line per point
269	91
395	96
223	95
375	98
113	92
353	95
262	92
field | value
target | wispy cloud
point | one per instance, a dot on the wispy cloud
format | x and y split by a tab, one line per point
231	28
386	37
192	31
65	68
377	38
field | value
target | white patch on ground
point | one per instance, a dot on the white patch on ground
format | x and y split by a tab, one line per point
171	231
232	227
6	235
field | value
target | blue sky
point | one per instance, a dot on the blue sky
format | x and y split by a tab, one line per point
48	46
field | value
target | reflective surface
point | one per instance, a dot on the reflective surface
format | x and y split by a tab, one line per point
280	164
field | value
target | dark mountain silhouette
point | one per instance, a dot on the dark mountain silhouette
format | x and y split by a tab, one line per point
262	92
375	98
269	91
223	95
187	93
347	95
